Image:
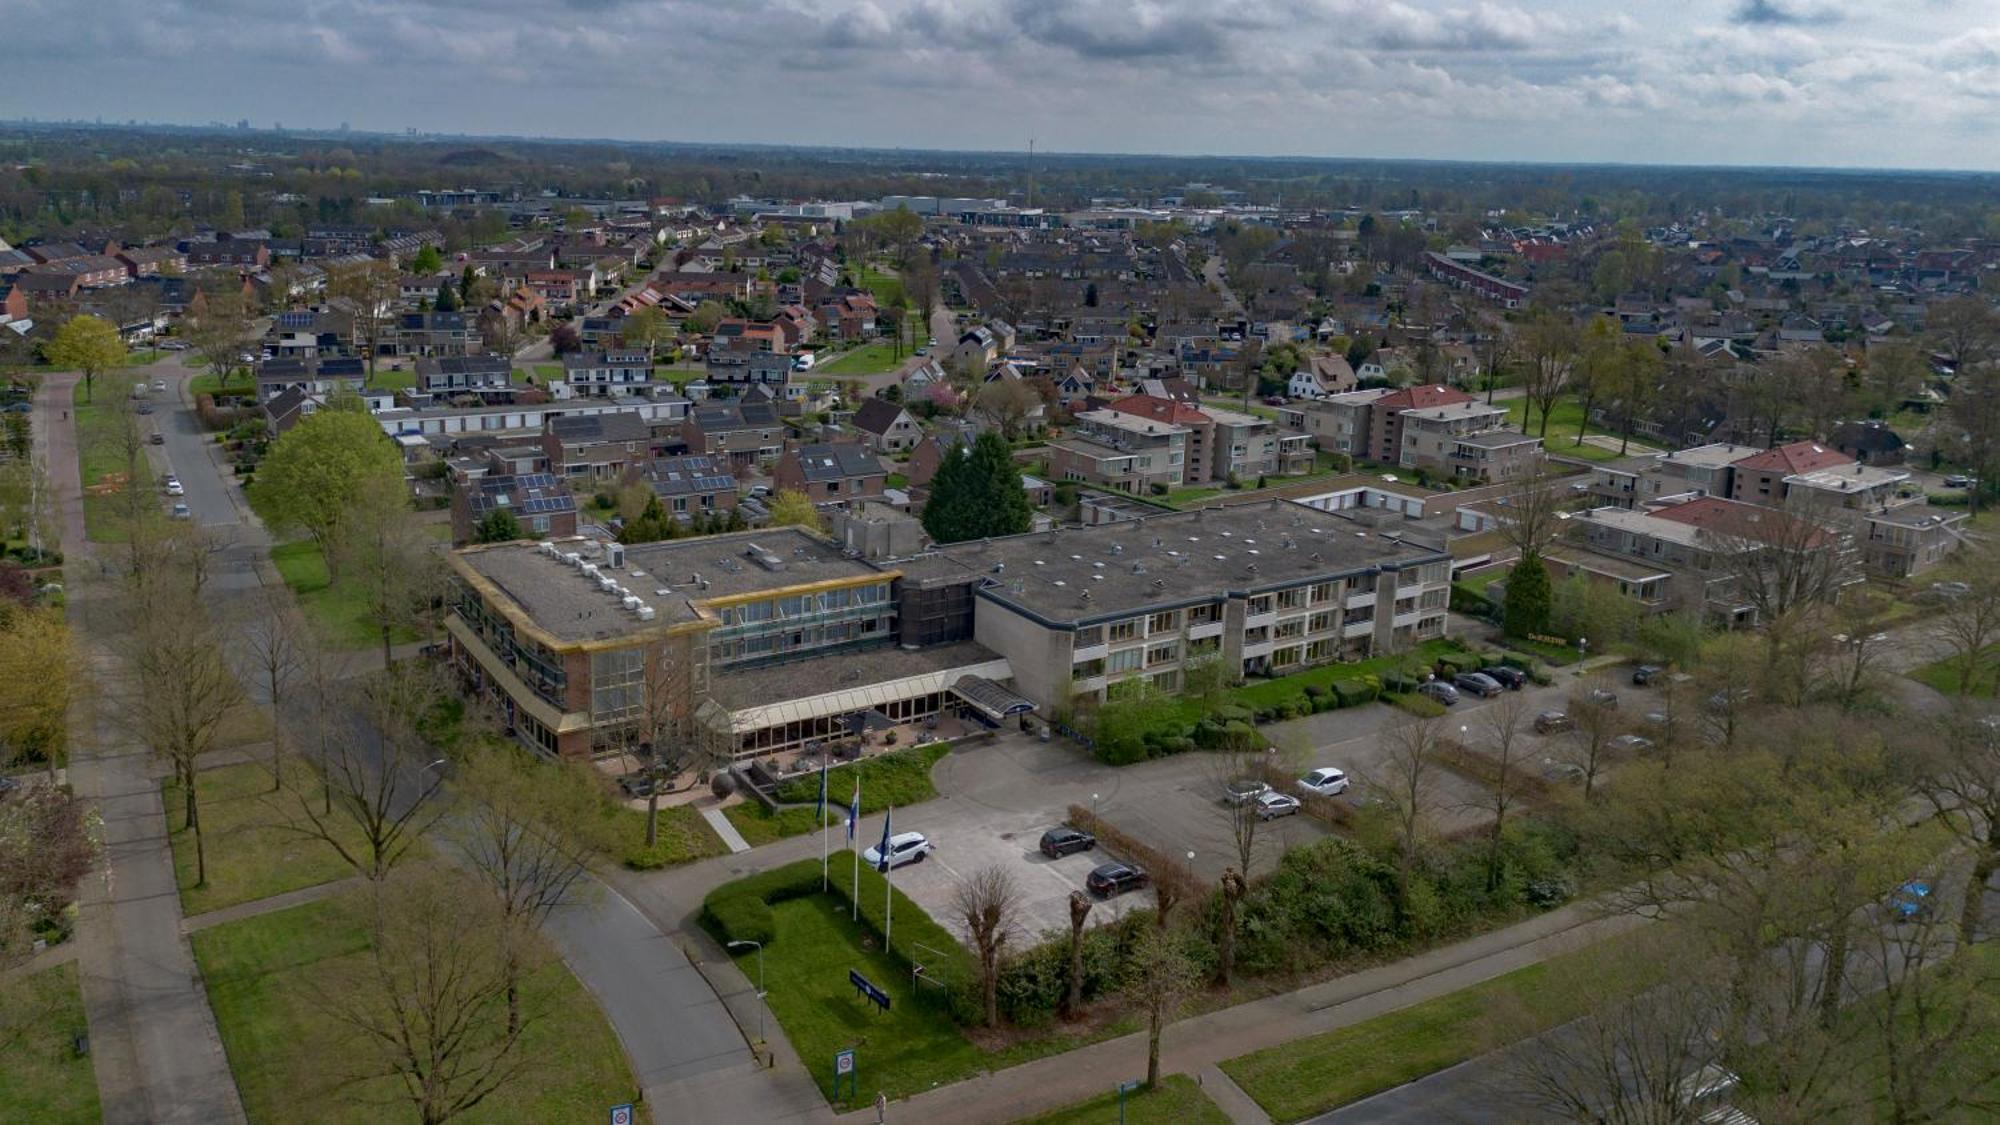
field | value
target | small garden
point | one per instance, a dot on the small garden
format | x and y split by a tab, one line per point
900	778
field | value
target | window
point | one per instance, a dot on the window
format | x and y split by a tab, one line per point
1204	614
1090	636
617	684
1319	623
1294	598
1162	654
1124	630
1324	592
1163	622
1260	605
1125	660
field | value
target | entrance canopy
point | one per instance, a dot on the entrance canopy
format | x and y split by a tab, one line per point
994	701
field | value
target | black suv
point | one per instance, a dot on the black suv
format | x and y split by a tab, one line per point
1115	879
1507	674
1059	842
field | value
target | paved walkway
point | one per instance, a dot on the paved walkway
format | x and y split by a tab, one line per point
725	829
1193	1045
154	1044
284	901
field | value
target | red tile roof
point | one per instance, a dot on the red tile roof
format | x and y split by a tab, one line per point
1160	410
1732	518
1797	457
1421	398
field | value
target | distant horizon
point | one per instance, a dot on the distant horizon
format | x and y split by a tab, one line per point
1701	83
335	132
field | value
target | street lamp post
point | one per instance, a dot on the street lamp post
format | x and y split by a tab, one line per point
760	981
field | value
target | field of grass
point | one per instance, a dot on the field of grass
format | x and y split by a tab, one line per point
100	453
266	978
1561	437
43	1079
252	853
882	284
240	381
1175	1101
389	378
902	778
337	608
1312	1075
683	837
1268	693
1942	675
869	359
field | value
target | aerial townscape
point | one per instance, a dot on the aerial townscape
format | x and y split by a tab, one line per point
518	628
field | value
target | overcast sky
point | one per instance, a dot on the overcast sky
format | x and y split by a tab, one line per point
1912	83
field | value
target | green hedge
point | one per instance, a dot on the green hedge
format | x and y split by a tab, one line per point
900	778
739	911
1422	706
1354	693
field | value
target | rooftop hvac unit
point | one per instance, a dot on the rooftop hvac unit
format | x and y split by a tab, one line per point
548	549
614	555
632	603
590	571
573	559
645	613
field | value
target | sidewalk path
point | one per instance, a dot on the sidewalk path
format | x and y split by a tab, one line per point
154	1044
276	902
725	829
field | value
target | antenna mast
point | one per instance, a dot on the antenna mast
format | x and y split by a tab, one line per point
1031	174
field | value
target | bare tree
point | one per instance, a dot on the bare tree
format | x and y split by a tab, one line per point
1958	772
1969	630
1008	403
223	332
183	690
1408	785
1160	980
1782	562
368	289
1550	345
1935	996
383	784
1079	915
384	553
986	901
528	832
1532	513
427	1005
273	635
1854	653
1588	745
1503	727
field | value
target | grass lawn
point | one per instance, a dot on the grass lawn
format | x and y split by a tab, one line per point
99	454
1561	436
1175	1101
1309	1076
393	379
1542	650
1942	675
883	284
251	852
906	1050
337	609
207	384
44	1080
901	778
869	359
266	976
548	371
683	837
1269	693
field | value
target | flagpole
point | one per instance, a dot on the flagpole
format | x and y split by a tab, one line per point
888	902
824	881
854	845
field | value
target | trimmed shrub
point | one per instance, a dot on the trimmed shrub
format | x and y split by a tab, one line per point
1353	693
1156	863
1422	706
739	918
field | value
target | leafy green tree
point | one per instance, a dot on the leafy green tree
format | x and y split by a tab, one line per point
1529	600
646	328
313	474
447	298
791	508
88	343
497	526
653	525
427	261
977	494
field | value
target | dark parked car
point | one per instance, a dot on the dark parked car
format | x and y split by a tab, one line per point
1509	676
1477	683
1551	722
1644	673
638	784
1059	842
1111	879
1598	697
1437	689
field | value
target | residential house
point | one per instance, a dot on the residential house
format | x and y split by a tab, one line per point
1870	442
754	368
434	334
692	484
1760	478
886	426
831	473
1323	375
742	433
931	451
739	335
449	376
312	376
542	502
1125	452
1385	418
606	374
254	253
597	447
1465	441
1911	540
1338	423
152	261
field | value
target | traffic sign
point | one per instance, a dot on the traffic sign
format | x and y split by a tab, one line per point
621	1114
843	1073
843	1062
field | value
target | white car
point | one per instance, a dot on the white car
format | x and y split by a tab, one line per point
1324	782
159	384
904	847
174	488
1272	805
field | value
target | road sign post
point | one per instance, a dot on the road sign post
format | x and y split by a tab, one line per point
1123	1089
843	1072
621	1114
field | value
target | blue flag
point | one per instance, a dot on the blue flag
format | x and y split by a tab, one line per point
854	812
882	856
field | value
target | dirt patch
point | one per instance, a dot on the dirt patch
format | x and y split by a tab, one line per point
109	484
